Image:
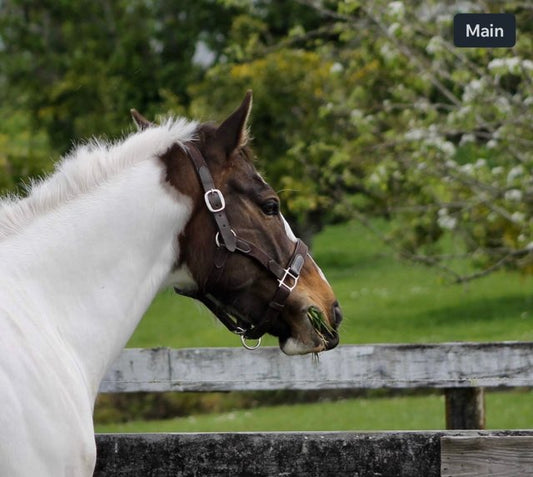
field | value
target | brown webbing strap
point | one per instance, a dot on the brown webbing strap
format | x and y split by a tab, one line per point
213	197
277	304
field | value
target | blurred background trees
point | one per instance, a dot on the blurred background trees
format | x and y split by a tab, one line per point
361	109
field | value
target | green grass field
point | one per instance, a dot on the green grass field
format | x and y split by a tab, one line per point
384	300
504	411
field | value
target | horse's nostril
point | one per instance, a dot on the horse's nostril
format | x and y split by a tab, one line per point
337	313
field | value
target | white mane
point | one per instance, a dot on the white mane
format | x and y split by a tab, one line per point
87	167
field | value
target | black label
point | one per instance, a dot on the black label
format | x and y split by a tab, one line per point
482	30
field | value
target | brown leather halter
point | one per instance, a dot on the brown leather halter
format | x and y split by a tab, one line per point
228	241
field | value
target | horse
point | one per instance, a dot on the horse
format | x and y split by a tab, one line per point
179	204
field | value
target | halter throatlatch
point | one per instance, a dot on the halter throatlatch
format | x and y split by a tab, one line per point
228	241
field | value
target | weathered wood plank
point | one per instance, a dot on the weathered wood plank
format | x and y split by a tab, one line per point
447	365
139	369
486	455
268	454
465	408
296	454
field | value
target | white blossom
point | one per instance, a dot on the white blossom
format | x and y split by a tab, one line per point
378	175
336	67
421	105
447	148
473	89
446	221
518	217
514	195
374	178
434	45
431	138
467	168
462	112
498	133
443	20
397	9
496	63
514	173
503	105
527	65
505	65
388	52
467	138
356	114
393	28
415	134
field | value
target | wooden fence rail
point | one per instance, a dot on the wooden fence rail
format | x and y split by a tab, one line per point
447	365
317	454
461	370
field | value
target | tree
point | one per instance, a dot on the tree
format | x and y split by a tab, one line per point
361	110
24	151
270	52
78	67
442	135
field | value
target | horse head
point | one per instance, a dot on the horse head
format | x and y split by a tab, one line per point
245	263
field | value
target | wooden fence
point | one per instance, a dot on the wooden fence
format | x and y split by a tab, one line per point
461	370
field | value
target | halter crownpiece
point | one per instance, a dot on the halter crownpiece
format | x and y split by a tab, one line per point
228	241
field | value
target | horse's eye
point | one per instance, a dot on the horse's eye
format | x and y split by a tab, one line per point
270	207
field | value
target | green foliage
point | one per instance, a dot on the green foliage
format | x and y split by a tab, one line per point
78	67
24	152
435	137
360	110
374	112
285	130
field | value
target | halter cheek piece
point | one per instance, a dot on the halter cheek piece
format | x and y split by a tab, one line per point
228	241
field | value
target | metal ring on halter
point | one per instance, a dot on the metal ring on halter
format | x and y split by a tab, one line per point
217	238
247	346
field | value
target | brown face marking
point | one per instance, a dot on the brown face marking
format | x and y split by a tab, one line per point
237	281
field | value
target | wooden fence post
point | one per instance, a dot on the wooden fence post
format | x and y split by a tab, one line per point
465	408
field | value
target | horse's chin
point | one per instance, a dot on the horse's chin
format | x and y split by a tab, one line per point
312	343
292	346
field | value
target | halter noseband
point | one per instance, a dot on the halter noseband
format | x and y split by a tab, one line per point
228	241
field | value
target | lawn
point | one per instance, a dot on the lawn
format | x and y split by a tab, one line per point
384	300
504	411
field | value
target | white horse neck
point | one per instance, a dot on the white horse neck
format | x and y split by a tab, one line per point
81	276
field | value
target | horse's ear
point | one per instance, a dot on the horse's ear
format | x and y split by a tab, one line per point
233	133
140	121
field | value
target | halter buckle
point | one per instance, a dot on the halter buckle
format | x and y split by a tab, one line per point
288	274
209	195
